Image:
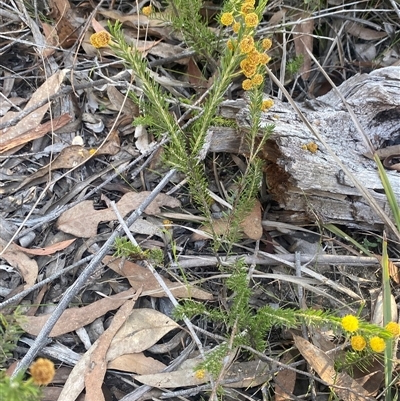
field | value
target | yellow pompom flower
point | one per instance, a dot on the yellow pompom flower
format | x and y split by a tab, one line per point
251	20
267	104
266	44
247	84
100	39
246	44
311	147
42	371
247	7
358	343
248	68
236	27
200	374
147	10
264	58
394	328
377	344
257	80
227	19
350	323
254	57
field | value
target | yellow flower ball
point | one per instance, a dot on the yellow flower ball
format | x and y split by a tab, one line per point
147	10
236	27
227	19
312	147
42	371
394	328
100	39
257	79
264	58
266	44
247	84
251	20
200	374
350	323
267	104
377	344
358	343
246	44
248	68
254	57
247	7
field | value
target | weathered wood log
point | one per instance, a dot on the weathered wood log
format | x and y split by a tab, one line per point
310	185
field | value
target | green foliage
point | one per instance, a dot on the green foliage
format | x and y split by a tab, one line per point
219	121
213	361
10	331
352	359
293	66
253	326
18	389
125	248
186	18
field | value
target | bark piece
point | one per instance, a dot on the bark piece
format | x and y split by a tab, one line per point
309	185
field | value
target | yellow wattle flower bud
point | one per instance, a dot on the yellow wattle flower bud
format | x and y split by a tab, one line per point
100	39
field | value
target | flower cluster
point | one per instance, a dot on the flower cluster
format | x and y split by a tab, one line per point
351	324
147	10
100	39
243	21
42	371
200	374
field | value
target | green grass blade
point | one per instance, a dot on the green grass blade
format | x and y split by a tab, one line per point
394	206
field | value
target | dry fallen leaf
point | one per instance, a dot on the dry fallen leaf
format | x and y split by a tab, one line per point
303	38
26	266
74	318
349	389
247	374
97	367
137	363
82	220
48	250
143	329
139	276
363	33
285	379
33	120
251	225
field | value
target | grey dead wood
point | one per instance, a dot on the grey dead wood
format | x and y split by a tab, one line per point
310	186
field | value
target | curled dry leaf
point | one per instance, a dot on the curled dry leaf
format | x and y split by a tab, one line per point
48	250
139	276
26	266
82	220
